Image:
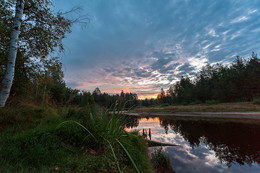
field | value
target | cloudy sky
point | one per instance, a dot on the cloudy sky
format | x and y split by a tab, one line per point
143	45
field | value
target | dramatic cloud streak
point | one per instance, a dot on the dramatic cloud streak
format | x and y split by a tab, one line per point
141	46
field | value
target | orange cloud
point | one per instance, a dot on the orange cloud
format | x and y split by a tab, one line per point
141	94
117	90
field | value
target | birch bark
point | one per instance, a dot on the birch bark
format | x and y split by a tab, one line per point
10	68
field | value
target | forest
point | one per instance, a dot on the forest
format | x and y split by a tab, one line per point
237	82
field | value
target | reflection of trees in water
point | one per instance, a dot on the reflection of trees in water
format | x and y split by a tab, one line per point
165	124
131	121
232	142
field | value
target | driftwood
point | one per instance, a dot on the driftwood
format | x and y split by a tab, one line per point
155	143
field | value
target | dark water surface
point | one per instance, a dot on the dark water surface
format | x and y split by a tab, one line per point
206	145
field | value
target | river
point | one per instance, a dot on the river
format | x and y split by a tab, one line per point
205	145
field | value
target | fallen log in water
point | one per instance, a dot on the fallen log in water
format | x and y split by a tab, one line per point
156	143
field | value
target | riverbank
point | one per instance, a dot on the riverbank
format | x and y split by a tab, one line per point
222	110
41	139
233	115
221	107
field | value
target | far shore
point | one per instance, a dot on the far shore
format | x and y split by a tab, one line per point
242	110
240	115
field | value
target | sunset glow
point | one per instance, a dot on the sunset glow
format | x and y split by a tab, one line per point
144	46
148	96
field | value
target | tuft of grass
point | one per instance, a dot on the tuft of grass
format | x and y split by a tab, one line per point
106	133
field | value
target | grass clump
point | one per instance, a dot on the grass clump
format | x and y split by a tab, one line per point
106	134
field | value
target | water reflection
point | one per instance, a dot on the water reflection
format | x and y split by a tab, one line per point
205	146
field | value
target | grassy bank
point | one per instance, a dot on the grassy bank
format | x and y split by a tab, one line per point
221	107
38	139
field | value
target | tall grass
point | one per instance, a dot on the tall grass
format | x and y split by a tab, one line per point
105	132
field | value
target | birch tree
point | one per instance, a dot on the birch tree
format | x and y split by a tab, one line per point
41	32
9	76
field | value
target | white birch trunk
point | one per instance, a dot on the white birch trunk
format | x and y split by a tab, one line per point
9	76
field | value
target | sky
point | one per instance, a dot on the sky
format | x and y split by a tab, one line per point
141	46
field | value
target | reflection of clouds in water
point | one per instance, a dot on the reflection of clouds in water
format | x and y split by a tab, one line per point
245	168
192	160
185	158
211	160
158	133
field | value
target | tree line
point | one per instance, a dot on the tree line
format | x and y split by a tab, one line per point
238	82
